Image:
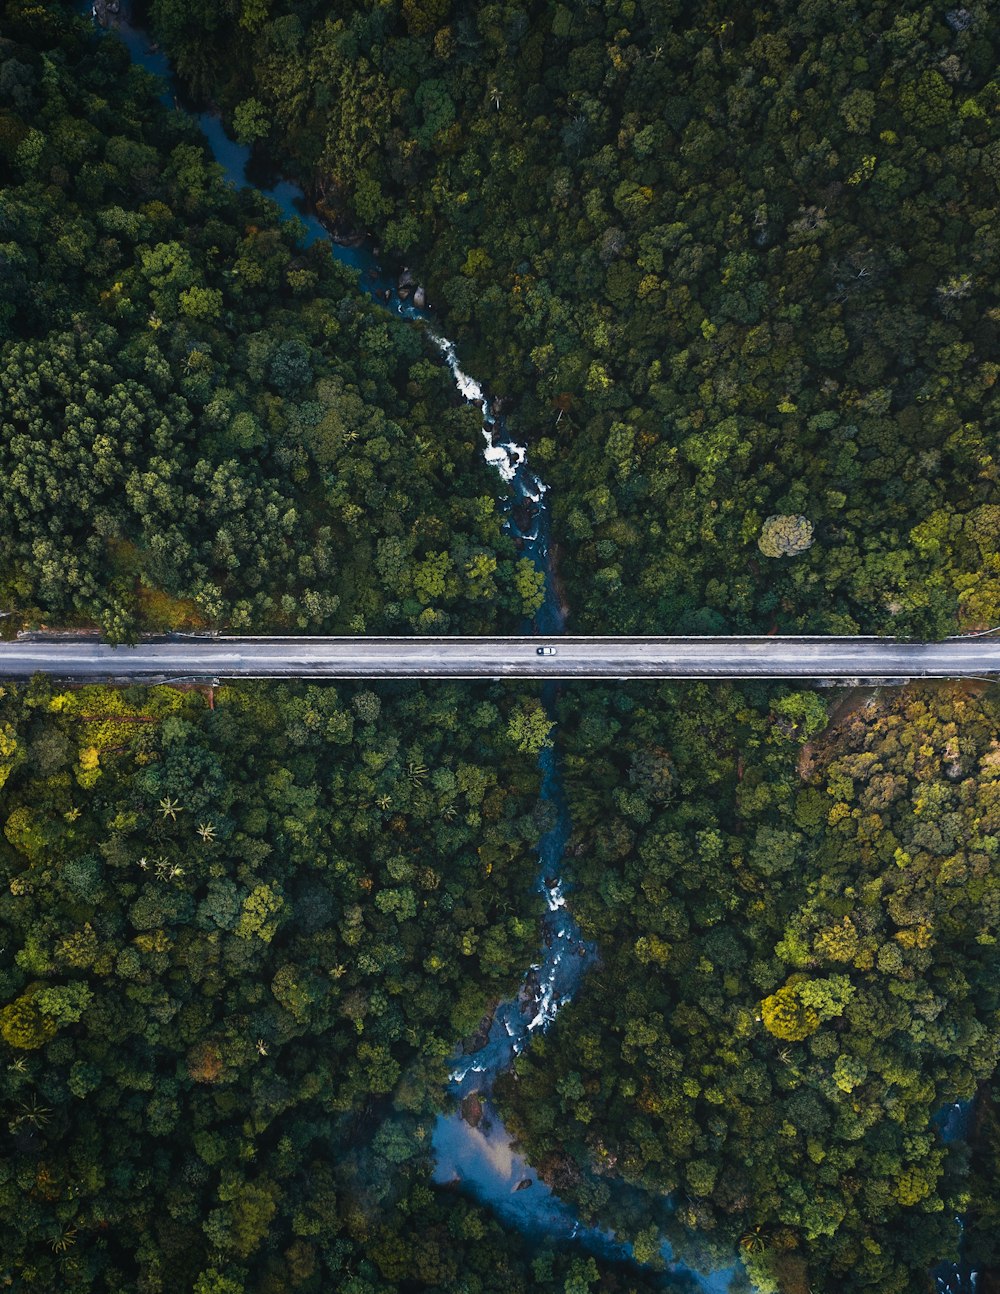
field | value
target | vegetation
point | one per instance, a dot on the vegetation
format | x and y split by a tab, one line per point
982	1244
201	422
735	275
239	942
798	970
727	262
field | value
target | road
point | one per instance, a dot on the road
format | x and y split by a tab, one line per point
575	657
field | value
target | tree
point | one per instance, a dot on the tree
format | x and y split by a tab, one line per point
529	728
785	536
251	121
24	1025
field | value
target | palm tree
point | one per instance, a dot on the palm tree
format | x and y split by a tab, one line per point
65	1240
495	97
170	808
753	1241
207	832
33	1112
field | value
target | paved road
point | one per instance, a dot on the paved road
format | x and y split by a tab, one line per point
575	657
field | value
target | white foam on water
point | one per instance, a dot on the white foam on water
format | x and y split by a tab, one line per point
507	457
457	1075
554	897
468	386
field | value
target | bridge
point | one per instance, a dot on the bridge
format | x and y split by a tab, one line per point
182	658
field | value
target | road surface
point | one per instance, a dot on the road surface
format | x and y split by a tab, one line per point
437	658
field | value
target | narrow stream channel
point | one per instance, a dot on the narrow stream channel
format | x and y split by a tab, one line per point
481	1158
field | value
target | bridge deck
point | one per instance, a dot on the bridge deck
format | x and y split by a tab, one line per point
575	657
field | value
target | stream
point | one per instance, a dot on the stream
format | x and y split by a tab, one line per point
481	1159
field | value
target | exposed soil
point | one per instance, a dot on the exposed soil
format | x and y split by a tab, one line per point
850	700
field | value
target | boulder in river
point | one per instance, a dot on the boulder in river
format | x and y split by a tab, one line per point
481	1037
105	11
523	1184
420	298
472	1110
524	514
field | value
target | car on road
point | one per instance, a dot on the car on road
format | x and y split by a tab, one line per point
545	651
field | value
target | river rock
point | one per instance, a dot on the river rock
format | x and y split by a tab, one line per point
479	1039
406	279
472	1109
105	11
420	298
523	1184
524	514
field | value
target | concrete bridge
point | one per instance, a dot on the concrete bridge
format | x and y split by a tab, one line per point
566	657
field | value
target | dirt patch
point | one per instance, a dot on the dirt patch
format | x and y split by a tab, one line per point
848	702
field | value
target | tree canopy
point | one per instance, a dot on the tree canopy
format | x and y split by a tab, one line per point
723	265
798	971
238	943
201	421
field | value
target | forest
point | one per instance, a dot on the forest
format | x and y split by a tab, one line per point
799	970
202	423
242	933
731	264
731	273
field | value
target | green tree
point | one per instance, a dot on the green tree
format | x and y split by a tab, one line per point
529	728
785	536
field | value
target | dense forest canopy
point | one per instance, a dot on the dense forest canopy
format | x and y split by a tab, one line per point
238	943
730	263
734	276
201	422
799	970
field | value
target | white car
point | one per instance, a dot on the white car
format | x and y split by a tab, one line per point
545	651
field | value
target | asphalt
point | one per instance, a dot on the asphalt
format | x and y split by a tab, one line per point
207	658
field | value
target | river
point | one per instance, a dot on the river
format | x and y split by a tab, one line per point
481	1159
